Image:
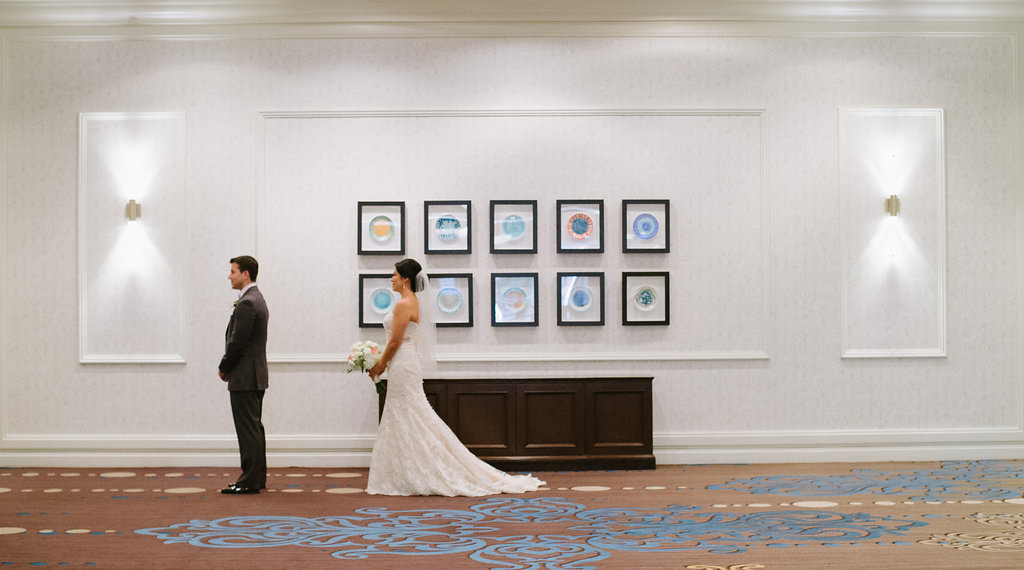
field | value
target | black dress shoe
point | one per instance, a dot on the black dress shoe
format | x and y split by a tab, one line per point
233	490
261	487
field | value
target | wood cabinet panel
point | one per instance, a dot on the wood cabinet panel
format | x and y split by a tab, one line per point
549	419
483	416
549	424
621	418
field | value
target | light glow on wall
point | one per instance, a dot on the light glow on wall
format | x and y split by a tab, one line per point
134	256
891	251
133	166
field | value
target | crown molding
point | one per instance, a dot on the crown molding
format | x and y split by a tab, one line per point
241	13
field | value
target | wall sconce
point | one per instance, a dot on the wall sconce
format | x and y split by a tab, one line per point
133	210
892	205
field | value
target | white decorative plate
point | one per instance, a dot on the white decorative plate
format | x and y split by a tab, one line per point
513	300
449	300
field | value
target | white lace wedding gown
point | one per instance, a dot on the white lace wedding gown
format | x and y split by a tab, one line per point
416	453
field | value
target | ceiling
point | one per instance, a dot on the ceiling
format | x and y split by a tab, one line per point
51	14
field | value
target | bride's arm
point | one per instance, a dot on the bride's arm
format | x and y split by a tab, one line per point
399	322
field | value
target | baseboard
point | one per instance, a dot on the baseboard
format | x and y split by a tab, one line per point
850	454
669	449
839	446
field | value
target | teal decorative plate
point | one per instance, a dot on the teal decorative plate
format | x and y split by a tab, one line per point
447	227
514	226
382	300
645	298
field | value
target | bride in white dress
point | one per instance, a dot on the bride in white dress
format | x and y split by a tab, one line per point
415	452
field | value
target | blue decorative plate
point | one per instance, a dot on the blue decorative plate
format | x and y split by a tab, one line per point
645	298
382	300
645	226
514	226
381	228
580	298
447	227
449	300
580	226
513	300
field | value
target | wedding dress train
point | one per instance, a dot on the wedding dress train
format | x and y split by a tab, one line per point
415	452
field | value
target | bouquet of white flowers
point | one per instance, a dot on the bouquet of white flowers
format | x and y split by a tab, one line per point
364	355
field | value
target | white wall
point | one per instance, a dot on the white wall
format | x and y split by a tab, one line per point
756	215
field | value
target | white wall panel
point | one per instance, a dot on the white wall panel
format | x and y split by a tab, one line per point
709	163
132	298
894	266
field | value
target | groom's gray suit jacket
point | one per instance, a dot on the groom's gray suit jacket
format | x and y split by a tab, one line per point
245	344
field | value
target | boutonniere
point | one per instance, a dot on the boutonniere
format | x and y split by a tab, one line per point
235	304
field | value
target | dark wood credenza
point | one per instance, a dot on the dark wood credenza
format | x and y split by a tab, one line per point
549	424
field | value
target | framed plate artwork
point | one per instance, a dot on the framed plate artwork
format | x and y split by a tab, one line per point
381	228
447	227
581	299
645	298
452	299
514	299
376	299
513	226
645	226
580	225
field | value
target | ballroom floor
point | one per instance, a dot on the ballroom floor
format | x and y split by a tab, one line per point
736	517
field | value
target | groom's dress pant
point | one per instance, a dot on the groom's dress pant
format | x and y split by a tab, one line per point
247	411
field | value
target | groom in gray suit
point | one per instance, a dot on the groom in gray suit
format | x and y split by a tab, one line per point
244	368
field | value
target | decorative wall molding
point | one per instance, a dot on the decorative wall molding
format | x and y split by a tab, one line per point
461	357
131	296
598	356
758	307
894	265
6	323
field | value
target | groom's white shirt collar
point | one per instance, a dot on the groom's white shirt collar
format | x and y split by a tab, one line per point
246	288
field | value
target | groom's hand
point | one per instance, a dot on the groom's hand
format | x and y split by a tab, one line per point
223	376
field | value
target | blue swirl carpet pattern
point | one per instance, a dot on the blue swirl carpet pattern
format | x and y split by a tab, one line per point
964	514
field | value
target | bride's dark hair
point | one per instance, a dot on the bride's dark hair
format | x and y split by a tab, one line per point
409	268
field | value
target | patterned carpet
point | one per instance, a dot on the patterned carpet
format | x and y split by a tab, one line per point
967	514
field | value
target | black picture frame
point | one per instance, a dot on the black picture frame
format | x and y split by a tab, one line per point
509	290
646	298
448	315
372	287
513	226
646	226
371	219
578	303
447	227
576	228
